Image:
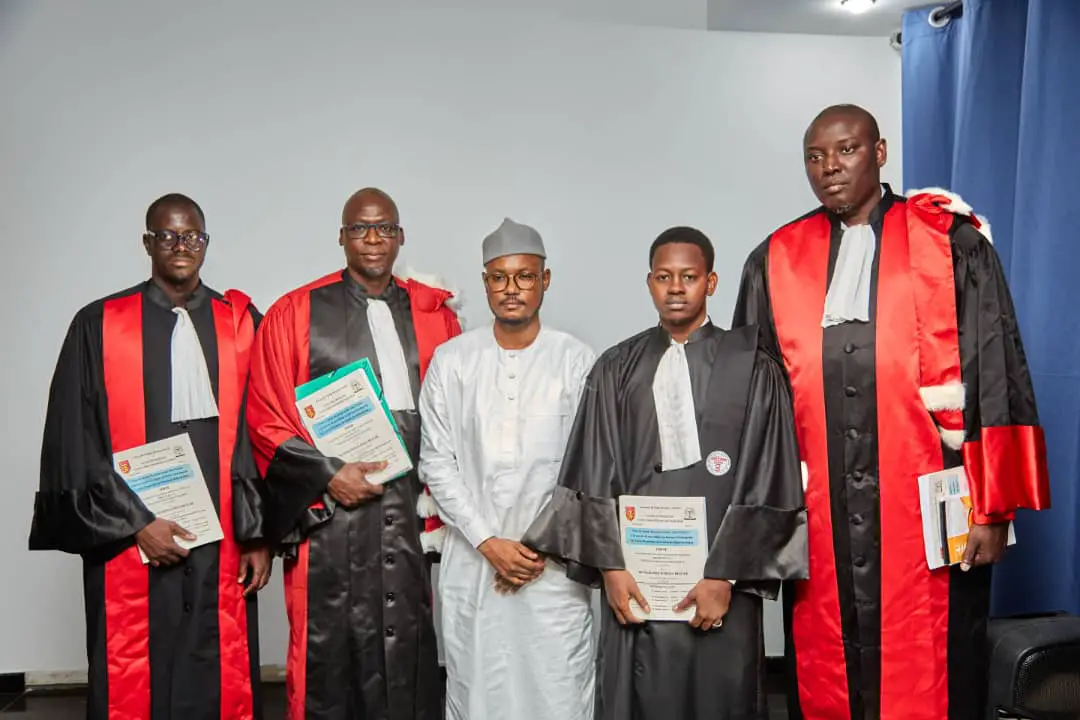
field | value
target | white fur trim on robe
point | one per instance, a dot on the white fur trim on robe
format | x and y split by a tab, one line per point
943	397
958	206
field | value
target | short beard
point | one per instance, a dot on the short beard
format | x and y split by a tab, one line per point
842	210
373	273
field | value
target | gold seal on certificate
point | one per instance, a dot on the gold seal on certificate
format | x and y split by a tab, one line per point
168	480
665	545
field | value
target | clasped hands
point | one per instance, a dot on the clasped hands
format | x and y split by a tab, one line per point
515	565
711	599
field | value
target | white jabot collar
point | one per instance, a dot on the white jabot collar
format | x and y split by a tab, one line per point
192	394
393	368
848	297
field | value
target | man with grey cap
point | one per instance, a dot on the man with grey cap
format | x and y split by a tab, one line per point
497	406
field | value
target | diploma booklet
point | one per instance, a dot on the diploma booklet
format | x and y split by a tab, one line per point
167	478
347	418
665	546
945	502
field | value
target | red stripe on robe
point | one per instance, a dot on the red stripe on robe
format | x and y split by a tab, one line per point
127	580
914	601
233	353
798	266
127	583
433	323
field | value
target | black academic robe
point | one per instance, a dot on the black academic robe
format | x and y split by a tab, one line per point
664	670
177	642
357	585
875	633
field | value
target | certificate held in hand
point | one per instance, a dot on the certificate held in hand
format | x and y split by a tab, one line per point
168	480
347	418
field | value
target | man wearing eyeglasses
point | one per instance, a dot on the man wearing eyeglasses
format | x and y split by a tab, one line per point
497	406
176	636
362	641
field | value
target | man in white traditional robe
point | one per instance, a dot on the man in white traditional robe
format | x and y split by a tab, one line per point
497	406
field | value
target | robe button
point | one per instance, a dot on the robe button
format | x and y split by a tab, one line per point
389	559
856	519
852	434
850	391
860	561
187	607
389	632
580	495
389	598
857	475
388	520
187	570
849	348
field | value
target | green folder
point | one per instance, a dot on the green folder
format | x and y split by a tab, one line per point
361	365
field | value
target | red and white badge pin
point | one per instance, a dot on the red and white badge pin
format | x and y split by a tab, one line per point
718	462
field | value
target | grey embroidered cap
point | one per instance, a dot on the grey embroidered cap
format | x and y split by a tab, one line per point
512	238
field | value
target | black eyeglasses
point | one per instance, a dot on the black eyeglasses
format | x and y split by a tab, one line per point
497	281
359	231
193	240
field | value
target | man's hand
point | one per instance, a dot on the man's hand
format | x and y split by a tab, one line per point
985	545
259	562
512	561
156	540
350	486
712	598
620	586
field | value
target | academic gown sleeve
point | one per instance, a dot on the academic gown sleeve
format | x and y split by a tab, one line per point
580	524
1004	452
295	474
249	502
763	534
752	305
82	506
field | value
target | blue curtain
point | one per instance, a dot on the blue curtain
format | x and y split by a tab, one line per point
991	111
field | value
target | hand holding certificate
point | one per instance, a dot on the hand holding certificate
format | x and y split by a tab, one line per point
168	480
665	545
345	415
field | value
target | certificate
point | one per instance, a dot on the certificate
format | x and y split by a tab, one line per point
168	480
347	418
665	545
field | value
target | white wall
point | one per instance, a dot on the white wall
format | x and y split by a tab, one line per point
272	113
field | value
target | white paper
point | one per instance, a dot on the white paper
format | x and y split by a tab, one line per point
346	420
946	492
665	545
167	478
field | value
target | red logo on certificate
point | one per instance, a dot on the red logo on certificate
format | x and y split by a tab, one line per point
631	513
310	411
125	467
718	462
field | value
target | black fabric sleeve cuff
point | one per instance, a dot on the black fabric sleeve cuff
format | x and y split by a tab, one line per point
759	543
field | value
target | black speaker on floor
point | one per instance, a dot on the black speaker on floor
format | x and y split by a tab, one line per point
1034	667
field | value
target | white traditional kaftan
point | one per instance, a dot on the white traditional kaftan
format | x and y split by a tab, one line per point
494	427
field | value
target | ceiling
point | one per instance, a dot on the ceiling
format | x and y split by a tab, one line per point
817	17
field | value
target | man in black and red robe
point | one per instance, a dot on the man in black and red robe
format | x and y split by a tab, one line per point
357	584
176	638
900	341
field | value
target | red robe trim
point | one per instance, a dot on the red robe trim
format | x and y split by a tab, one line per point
434	323
1005	466
127	579
917	410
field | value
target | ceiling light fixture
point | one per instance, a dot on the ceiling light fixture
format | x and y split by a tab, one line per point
857	6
